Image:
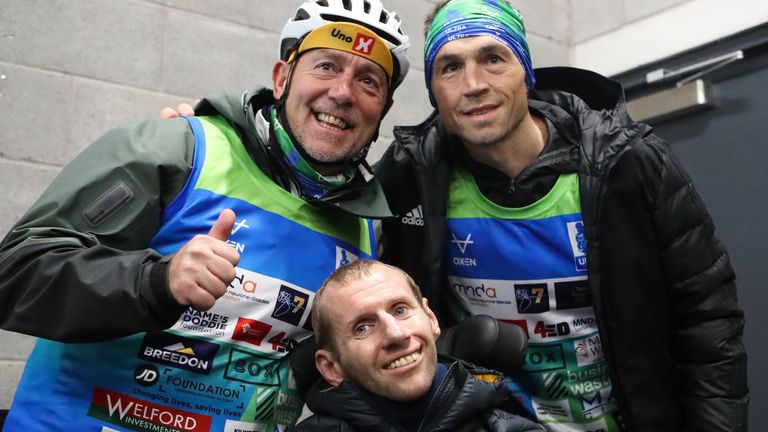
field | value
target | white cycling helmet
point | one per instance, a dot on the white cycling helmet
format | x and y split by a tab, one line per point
367	13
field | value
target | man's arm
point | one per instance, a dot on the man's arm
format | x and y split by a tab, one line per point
711	359
76	266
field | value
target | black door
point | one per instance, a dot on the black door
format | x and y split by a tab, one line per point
725	149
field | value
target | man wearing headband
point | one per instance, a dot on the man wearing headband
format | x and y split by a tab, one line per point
531	196
172	265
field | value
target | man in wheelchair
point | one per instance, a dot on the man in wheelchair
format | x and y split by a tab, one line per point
383	367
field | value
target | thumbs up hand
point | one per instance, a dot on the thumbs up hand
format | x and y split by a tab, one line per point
201	270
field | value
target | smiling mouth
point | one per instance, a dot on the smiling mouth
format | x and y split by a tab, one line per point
330	120
478	111
404	361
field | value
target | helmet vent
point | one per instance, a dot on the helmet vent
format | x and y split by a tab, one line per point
323	3
367	6
347	5
301	15
383	17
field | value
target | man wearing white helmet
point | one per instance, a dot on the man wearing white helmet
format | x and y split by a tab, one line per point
170	266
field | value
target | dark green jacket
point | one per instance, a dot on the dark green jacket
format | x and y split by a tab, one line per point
75	267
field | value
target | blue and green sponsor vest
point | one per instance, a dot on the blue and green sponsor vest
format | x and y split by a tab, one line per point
528	266
224	369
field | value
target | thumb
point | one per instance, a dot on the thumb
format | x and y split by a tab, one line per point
223	226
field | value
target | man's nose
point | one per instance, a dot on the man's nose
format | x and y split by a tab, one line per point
474	81
395	330
341	88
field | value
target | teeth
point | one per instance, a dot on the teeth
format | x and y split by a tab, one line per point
327	118
404	361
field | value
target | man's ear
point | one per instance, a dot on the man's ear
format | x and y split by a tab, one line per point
280	78
432	318
329	368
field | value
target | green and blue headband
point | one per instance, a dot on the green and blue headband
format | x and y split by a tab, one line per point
466	18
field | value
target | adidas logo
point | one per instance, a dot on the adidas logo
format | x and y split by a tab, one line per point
414	217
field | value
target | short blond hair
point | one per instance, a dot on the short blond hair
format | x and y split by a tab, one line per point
343	276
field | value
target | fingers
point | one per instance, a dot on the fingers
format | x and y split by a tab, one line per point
183	109
198	273
205	280
168	113
201	270
201	290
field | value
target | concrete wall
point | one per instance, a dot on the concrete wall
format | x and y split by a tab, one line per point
613	36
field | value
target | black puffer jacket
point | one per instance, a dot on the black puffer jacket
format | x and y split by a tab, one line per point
462	402
662	284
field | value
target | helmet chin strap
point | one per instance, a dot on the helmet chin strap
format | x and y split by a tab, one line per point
354	160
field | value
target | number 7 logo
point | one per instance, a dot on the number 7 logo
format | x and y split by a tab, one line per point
299	302
290	305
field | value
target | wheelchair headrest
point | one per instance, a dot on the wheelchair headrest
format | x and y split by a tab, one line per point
478	339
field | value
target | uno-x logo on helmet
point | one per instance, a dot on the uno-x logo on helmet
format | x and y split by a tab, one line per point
361	43
364	44
352	38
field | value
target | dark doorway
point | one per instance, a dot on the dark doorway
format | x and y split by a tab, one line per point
725	149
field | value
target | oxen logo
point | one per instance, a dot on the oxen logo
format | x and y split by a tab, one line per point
462	244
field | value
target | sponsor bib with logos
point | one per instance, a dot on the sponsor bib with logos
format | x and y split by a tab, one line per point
528	266
224	369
